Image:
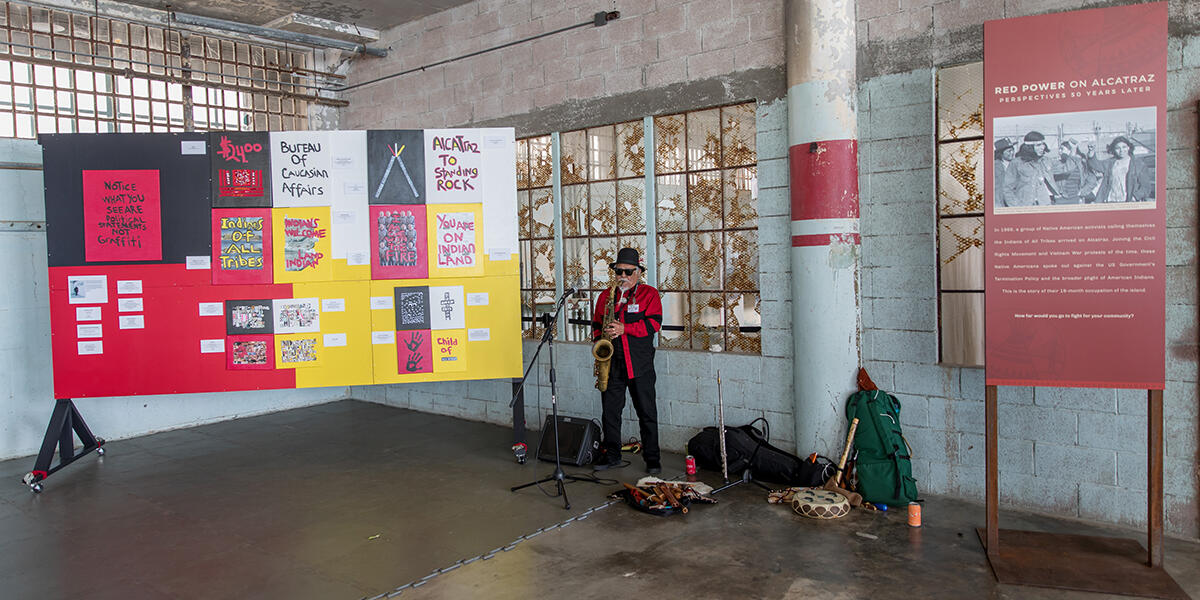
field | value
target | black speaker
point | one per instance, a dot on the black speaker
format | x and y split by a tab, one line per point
578	440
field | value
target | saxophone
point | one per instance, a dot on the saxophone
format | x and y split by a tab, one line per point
602	350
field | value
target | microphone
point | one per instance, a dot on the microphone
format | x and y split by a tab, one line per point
575	288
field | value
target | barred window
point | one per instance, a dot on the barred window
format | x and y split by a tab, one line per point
702	220
69	72
960	155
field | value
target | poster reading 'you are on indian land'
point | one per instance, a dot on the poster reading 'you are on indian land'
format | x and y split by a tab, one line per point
1075	117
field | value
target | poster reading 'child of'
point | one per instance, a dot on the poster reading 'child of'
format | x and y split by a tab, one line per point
121	216
241	245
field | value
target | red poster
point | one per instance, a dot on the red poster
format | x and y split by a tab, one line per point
241	245
414	351
121	216
250	352
1075	115
398	247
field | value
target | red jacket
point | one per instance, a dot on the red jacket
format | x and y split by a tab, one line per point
640	309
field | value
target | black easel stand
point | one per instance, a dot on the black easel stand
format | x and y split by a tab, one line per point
558	477
65	424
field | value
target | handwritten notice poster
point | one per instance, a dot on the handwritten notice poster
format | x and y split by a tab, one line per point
302	244
398	238
121	215
300	163
241	245
241	168
455	240
453	161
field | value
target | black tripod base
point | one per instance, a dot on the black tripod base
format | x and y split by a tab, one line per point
559	478
746	478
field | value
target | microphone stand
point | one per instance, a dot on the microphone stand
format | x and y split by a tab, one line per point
558	476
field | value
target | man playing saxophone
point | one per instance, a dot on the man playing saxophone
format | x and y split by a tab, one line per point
637	316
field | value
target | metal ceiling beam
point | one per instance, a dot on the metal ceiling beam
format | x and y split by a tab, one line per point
290	36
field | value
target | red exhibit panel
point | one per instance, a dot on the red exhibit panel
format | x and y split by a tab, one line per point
142	334
1075	204
121	215
241	245
398	246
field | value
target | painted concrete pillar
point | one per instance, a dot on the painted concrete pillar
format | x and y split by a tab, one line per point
823	162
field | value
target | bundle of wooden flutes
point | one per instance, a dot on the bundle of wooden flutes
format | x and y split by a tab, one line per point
665	495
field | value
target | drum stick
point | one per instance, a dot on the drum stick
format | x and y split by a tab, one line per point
846	452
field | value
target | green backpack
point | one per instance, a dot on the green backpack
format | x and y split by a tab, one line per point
884	466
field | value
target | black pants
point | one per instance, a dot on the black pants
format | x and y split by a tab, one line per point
641	389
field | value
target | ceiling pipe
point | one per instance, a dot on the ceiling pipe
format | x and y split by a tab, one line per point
279	34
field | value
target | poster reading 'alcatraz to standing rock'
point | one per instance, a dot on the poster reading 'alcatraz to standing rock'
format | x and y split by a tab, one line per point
1075	116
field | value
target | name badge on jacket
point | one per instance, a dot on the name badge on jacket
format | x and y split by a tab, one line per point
631	308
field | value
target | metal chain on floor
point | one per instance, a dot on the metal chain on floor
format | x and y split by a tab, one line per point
489	554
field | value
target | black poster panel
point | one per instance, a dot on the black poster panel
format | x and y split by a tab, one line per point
181	160
396	166
246	317
241	168
412	308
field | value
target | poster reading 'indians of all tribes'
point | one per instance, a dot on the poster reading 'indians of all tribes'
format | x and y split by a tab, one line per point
396	166
302	244
241	245
398	241
300	163
452	166
241	168
1075	205
121	216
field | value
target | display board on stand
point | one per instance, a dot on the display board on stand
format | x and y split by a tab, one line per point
203	262
1075	210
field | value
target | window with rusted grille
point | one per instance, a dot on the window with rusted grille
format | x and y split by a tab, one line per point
960	155
69	72
706	182
702	220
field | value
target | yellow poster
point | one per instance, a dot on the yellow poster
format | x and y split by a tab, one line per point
302	244
297	350
455	240
449	350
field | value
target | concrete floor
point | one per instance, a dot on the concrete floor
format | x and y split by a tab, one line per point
352	500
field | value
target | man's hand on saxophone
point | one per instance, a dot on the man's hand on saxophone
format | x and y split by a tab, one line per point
614	330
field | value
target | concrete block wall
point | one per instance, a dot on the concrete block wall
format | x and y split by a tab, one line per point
1074	452
658	58
653	45
26	381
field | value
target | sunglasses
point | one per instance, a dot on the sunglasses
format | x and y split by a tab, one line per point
624	271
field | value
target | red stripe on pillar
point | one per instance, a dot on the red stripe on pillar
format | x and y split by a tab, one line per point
825	239
824	180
